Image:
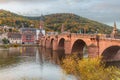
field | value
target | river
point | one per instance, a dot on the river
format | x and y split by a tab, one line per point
31	63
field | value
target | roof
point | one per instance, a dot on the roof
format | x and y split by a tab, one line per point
14	35
24	30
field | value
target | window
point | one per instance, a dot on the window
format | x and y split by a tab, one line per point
28	37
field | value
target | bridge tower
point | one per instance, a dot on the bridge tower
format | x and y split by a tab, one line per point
41	31
114	32
41	26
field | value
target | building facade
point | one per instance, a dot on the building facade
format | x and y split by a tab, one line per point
14	38
28	35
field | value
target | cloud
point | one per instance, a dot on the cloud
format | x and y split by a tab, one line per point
105	11
4	1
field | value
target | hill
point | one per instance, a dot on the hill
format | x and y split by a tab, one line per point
14	20
75	23
72	22
53	22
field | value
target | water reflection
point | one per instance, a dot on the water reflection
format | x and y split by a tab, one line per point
6	59
27	63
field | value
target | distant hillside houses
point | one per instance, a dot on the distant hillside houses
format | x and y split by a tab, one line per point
24	36
7	29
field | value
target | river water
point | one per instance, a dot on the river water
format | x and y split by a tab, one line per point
31	63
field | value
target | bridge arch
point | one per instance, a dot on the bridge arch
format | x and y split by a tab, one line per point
61	44
111	53
51	43
80	47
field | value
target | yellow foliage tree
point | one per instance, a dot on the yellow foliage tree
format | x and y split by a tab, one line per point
90	69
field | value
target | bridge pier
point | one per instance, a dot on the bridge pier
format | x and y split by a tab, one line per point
42	43
93	51
67	47
48	44
55	45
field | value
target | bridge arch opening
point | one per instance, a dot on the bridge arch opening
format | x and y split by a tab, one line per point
80	47
51	43
61	44
111	53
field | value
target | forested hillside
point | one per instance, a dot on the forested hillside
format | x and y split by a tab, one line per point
15	20
74	23
53	22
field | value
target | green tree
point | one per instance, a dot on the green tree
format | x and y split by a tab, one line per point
5	41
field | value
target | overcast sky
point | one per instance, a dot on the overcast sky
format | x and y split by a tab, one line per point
105	11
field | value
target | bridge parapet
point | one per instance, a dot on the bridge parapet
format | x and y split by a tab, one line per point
83	35
110	39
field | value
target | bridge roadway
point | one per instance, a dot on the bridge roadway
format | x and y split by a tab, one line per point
97	45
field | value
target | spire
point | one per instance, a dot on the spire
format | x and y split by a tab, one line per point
114	32
41	26
62	28
114	28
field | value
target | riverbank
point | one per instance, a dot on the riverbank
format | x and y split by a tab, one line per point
18	45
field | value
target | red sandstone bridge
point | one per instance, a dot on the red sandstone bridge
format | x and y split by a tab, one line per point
72	43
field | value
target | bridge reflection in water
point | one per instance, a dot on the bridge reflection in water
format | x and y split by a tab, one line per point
31	63
54	57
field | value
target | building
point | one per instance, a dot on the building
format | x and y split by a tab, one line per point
32	35
14	38
28	35
41	27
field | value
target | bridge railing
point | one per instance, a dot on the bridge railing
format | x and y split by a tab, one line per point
83	35
76	35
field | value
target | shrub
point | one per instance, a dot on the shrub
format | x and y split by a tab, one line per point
90	69
5	41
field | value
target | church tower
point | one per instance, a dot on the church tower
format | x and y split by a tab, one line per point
41	26
114	32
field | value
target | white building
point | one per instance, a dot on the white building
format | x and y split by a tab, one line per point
14	38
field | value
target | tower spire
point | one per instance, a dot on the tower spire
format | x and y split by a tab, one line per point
41	26
114	28
114	32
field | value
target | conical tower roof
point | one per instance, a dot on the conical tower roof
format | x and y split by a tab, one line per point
42	19
114	29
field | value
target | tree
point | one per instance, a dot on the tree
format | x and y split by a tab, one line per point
90	69
5	41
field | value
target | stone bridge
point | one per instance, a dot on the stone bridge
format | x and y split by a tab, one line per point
84	44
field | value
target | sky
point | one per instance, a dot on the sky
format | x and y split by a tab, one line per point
104	11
